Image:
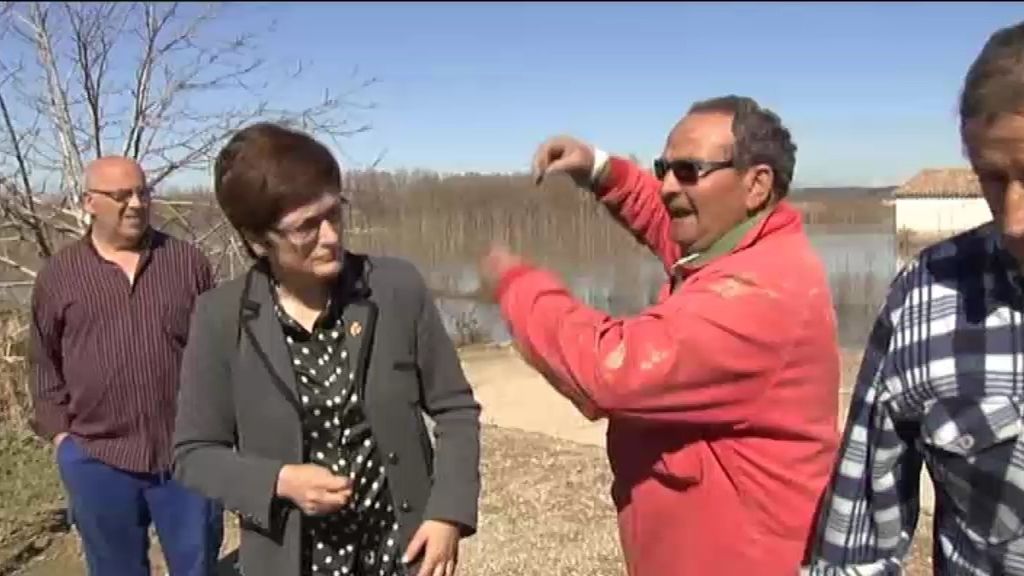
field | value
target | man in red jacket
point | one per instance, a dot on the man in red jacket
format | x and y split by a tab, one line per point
721	398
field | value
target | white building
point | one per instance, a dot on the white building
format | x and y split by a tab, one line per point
938	203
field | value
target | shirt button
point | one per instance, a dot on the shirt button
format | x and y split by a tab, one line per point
392	458
966	442
406	507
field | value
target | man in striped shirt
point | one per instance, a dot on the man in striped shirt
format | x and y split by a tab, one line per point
110	318
942	383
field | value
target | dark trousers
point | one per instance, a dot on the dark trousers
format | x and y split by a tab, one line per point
112	510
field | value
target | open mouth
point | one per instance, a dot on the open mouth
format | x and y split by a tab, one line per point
679	212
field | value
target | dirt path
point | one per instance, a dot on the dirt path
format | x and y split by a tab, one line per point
518	401
515	396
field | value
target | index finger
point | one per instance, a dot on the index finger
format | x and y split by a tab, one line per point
538	163
546	153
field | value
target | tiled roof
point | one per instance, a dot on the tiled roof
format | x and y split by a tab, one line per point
941	183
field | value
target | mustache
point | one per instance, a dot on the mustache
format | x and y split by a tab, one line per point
678	205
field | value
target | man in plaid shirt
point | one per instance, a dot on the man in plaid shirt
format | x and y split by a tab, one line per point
942	381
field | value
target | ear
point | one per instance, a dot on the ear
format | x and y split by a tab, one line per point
759	180
88	204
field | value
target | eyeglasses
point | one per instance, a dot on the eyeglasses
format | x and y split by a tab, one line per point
688	170
145	193
308	231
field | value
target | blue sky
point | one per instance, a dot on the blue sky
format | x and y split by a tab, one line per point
869	90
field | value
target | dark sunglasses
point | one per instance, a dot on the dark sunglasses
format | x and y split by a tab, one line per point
688	171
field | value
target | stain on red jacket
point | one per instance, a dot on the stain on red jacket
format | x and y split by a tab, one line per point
721	399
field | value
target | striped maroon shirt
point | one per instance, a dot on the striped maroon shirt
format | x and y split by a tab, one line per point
105	354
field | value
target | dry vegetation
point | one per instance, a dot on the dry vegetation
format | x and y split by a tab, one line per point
69	100
438	222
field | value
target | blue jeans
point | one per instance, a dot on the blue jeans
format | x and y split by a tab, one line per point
112	510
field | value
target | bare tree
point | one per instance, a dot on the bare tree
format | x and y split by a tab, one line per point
157	82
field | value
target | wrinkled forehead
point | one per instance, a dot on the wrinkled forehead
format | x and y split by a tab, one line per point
702	136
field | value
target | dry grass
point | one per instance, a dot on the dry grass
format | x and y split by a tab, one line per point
544	510
14	395
31	497
545	507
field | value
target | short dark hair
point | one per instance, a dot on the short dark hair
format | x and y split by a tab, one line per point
267	169
760	137
994	84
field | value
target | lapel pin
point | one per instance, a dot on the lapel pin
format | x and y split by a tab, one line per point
356	329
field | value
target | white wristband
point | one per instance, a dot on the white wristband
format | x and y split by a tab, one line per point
600	160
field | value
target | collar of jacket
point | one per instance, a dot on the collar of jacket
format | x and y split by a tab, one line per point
350	284
741	236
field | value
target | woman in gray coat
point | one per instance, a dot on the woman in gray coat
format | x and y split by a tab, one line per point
304	383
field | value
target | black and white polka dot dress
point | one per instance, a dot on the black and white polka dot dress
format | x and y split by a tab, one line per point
362	538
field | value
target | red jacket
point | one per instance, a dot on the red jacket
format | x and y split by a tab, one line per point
721	398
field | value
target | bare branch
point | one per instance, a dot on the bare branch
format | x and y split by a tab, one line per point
9	262
93	40
60	114
158	82
27	195
216	228
153	25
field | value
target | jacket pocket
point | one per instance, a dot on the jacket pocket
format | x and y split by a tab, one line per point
973	448
683	468
406	378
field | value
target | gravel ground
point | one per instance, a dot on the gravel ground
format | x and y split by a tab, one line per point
544	510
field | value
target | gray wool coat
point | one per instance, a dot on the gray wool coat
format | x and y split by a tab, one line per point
239	418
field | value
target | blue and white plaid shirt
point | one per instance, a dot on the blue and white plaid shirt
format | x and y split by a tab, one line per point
941	383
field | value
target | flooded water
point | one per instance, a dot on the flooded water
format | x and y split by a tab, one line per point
860	266
604	267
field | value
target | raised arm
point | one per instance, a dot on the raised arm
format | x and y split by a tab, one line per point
632	195
701	359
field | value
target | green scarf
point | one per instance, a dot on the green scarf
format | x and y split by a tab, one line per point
726	243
